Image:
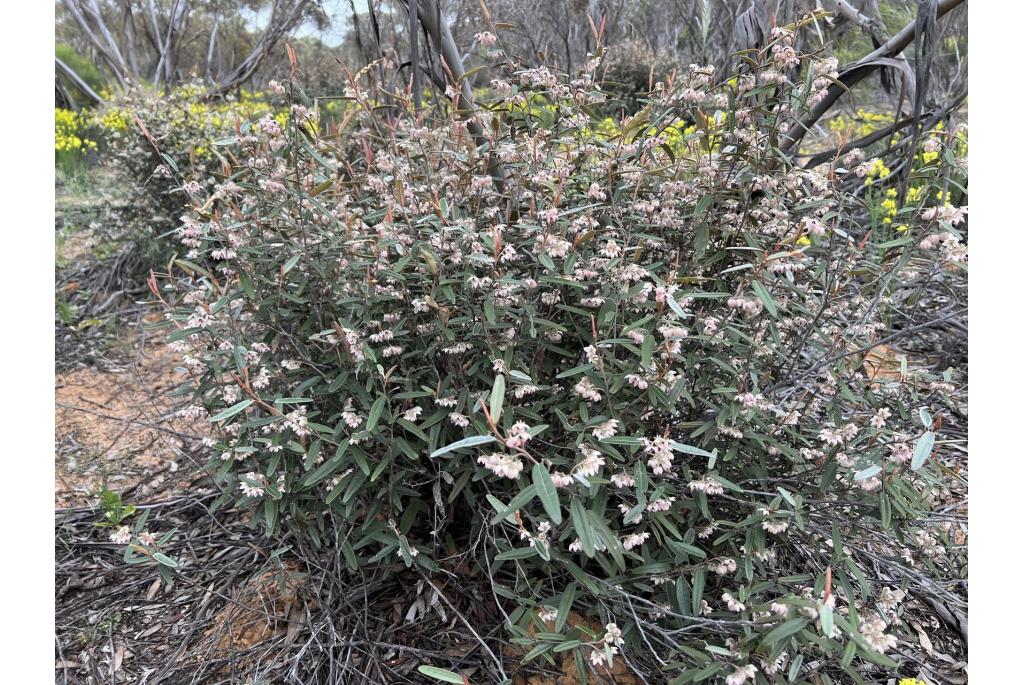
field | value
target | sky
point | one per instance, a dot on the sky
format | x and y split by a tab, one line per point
339	11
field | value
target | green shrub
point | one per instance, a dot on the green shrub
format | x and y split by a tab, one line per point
613	377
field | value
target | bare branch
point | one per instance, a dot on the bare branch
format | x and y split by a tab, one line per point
78	81
856	72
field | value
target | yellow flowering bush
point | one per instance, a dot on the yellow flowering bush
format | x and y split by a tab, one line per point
939	168
73	138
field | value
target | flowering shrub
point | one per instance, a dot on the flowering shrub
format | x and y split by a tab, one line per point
612	378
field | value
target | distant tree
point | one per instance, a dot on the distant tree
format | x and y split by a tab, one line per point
168	41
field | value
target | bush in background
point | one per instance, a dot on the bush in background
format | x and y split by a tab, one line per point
155	141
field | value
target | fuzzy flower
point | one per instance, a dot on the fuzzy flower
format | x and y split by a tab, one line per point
660	451
412	414
591	464
518	435
250	490
561	480
547	614
586	389
724	566
635	540
878	420
872	628
662	504
623	480
741	675
707	486
733	603
460	420
606	429
503	465
613	635
121	536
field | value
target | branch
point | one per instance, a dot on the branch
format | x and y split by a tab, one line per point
117	66
77	80
878	135
856	72
441	35
280	24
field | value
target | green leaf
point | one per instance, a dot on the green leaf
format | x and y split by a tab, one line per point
497	398
547	493
165	560
465	442
825	614
646	351
518	553
441	674
565	606
582	527
701	239
375	412
517	502
922	450
765	297
688	449
698	590
785	631
231	411
864	474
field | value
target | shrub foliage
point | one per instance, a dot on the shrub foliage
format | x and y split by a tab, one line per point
611	375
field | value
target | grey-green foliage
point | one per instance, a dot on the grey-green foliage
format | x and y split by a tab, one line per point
619	373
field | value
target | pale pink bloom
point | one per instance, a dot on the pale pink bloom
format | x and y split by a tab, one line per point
586	389
503	465
741	675
606	429
591	464
662	504
250	490
872	628
724	566
635	540
613	635
707	486
561	480
121	536
623	480
732	603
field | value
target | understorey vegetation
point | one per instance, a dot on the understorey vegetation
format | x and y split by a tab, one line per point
621	375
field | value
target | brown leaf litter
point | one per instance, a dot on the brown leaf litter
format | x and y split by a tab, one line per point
268	606
618	674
